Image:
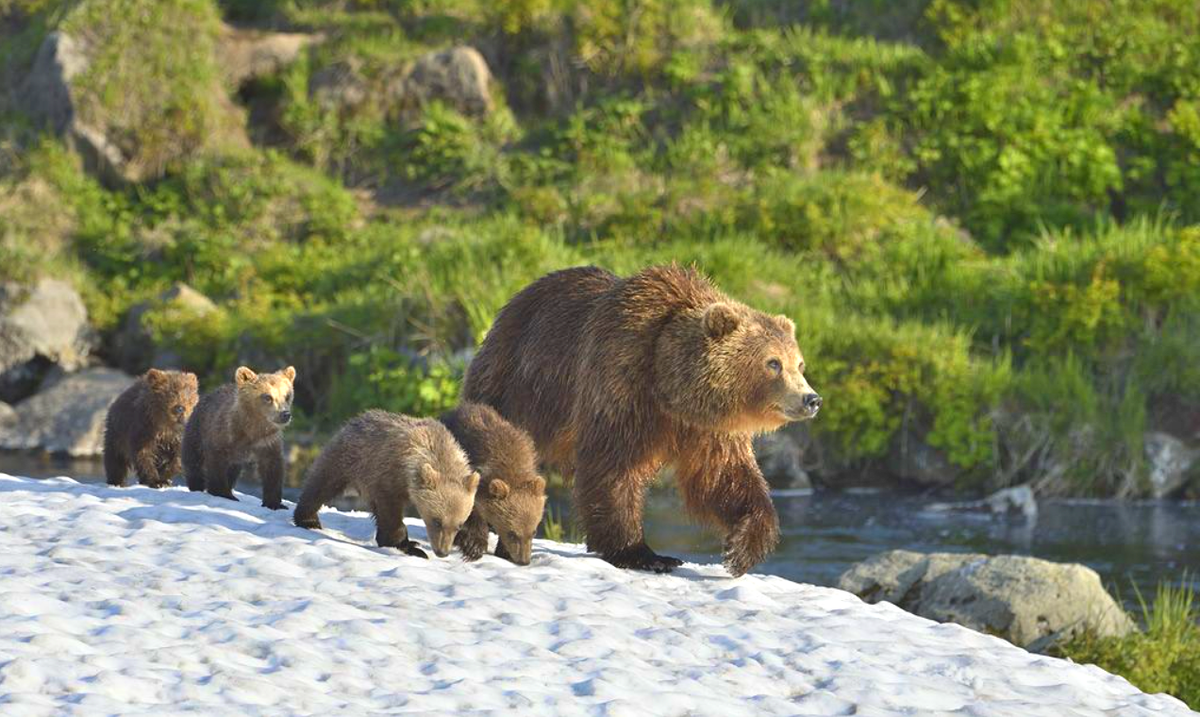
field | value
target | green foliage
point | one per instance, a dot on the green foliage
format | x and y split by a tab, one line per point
558	526
1165	657
382	378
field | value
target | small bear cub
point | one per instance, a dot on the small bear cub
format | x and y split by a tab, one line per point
512	496
391	459
236	426
144	427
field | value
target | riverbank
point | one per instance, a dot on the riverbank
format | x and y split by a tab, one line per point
136	600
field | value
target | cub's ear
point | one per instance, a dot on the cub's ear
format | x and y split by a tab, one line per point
787	324
720	320
539	485
190	380
156	378
498	489
244	375
289	373
428	476
473	482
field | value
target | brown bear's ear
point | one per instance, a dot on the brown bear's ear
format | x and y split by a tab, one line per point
787	324
720	320
473	482
539	484
190	380
156	378
498	489
244	375
289	373
428	476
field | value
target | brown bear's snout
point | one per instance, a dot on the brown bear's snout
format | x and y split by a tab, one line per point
284	417
802	406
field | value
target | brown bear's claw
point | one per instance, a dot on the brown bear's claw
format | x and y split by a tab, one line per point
410	548
641	557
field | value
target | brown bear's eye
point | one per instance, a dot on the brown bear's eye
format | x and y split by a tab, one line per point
178	409
437	523
775	365
266	398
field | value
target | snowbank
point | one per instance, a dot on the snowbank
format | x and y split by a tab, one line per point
137	601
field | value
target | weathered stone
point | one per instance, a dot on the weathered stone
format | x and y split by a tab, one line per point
339	86
8	416
68	417
911	458
1019	598
1170	463
459	77
1018	499
781	461
249	54
40	327
134	347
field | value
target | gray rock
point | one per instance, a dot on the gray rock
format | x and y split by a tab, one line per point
911	458
339	86
8	416
459	77
1018	499
133	345
1022	599
40	327
1170	463
248	54
67	417
781	460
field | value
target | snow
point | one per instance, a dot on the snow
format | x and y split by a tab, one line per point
137	601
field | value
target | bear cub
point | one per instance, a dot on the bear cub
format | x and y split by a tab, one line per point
236	426
144	427
511	496
391	459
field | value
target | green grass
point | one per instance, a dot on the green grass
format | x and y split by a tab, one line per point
1163	657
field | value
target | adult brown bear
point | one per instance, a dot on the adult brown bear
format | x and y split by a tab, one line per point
616	377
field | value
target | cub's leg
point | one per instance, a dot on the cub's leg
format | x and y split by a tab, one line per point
270	472
472	538
390	531
146	465
115	465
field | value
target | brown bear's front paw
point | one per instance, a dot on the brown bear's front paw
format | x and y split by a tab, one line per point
410	548
311	522
755	536
472	548
277	506
641	557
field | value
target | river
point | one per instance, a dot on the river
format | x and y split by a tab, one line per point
1129	543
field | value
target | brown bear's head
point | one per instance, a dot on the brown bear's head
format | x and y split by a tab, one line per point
728	367
514	509
443	487
267	396
173	395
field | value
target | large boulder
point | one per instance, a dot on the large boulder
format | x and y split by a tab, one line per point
133	85
1022	599
1170	462
133	346
459	77
781	460
40	327
250	54
67	417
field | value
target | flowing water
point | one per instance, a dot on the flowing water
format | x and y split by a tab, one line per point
1129	543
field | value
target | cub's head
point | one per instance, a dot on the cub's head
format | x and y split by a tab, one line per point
173	395
728	367
514	510
267	395
444	496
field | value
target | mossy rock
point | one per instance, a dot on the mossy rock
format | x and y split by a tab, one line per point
134	85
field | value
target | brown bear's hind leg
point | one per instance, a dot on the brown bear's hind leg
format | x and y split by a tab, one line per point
390	531
115	466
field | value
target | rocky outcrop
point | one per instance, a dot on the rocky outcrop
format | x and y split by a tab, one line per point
133	346
1024	600
40	327
1170	463
249	54
782	461
458	76
1018	500
67	417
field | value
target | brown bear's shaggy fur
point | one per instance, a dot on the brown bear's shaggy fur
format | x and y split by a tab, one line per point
236	425
616	377
144	427
512	496
389	459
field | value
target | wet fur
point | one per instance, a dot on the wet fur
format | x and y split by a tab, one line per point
616	377
233	428
144	428
511	496
391	459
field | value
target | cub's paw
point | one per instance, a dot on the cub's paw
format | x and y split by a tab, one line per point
274	507
472	548
410	548
751	540
641	557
